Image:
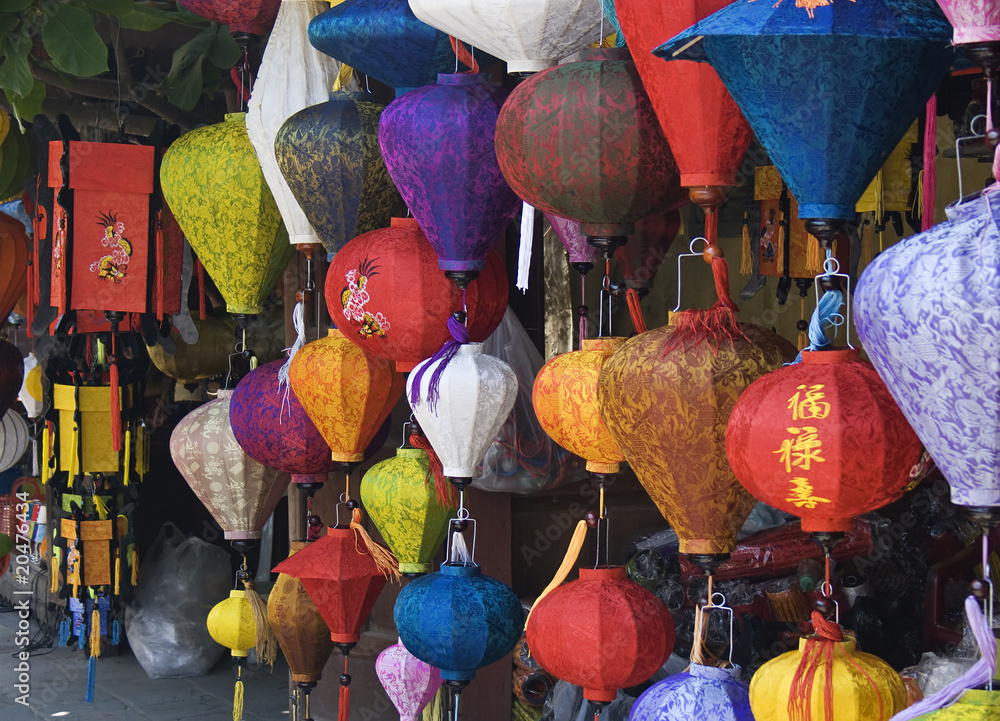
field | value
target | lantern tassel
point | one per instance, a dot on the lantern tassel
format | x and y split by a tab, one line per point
128	456
779	248
118	571
344	707
826	314
716	325
63	633
95	632
201	287
814	256
746	255
267	644
299	323
134	564
929	190
459	335
635	310
238	695
384	560
91	673
446	493
524	249
568	562
160	270
116	401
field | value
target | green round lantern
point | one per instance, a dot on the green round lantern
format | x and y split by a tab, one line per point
214	185
401	499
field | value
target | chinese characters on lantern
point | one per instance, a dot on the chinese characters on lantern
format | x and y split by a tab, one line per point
804	447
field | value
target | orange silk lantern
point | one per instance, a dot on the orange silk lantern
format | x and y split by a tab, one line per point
346	392
565	401
823	440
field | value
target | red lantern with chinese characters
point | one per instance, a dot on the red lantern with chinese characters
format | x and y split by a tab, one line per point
822	439
385	293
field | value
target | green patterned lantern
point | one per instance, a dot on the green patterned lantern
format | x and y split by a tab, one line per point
330	158
402	500
214	185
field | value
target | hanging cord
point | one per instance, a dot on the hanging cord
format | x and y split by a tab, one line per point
929	185
344	702
716	325
441	359
463	55
240	75
584	324
827	314
635	310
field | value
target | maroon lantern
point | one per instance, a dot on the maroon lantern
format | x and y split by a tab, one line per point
248	20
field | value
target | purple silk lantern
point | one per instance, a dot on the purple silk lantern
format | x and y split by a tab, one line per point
437	142
582	255
409	682
273	428
926	311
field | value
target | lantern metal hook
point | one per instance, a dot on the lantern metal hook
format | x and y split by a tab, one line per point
826	589
461	515
831	269
691	254
606	520
720	605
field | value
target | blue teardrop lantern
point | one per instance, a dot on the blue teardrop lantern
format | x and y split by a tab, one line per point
458	620
829	89
701	692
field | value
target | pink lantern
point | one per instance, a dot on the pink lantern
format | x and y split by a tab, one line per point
409	682
975	21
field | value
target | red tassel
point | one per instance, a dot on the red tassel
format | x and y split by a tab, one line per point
116	409
463	54
201	287
344	710
160	270
445	491
635	310
930	175
714	326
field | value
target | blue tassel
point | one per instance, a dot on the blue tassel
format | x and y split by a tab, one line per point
827	313
116	632
81	639
91	672
63	632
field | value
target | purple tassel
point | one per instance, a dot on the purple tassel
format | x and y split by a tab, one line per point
460	336
981	672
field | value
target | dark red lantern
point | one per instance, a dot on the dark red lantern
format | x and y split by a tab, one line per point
602	631
385	293
581	141
823	440
248	20
706	131
641	257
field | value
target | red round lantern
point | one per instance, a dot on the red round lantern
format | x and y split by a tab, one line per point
386	295
581	141
248	20
602	631
822	439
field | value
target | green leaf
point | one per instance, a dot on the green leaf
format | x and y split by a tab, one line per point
223	52
14	6
186	89
7	23
15	72
118	8
146	19
28	106
189	54
73	43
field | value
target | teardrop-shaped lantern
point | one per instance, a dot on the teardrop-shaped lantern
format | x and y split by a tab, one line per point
594	116
293	75
530	35
248	20
699	692
239	492
330	158
602	631
347	393
667	404
217	192
301	631
438	145
706	131
565	401
384	39
854	76
822	440
402	501
274	429
14	437
926	312
11	374
458	620
13	263
377	280
409	682
475	393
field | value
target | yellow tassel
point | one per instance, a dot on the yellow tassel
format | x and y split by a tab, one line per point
46	454
918	197
814	256
569	560
73	460
746	259
343	78
866	248
879	197
238	696
128	453
267	644
779	251
135	566
384	560
54	571
95	632
145	453
118	571
101	507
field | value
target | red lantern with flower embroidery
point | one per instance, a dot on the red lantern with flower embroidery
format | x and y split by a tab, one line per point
822	439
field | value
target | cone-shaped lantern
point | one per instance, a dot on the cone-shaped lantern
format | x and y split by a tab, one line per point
409	682
565	401
582	255
437	143
602	631
377	280
699	692
293	75
401	498
530	35
614	166
926	310
384	39
854	76
347	393
976	22
239	492
217	192
274	429
461	403
248	20
706	131
822	440
329	156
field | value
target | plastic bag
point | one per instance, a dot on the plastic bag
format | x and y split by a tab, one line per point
523	459
180	583
935	672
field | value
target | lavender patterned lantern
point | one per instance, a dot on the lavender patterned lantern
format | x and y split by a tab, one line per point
582	255
975	21
701	692
928	312
437	142
409	682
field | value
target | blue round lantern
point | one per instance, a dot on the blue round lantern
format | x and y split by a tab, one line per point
458	620
701	692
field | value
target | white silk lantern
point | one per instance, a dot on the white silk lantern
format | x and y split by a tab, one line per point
239	492
293	75
14	438
530	35
475	397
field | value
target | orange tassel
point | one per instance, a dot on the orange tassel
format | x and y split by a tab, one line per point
779	250
383	558
635	310
463	54
746	256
